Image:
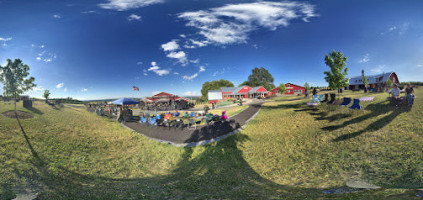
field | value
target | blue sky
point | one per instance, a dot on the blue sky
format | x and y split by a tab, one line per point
100	49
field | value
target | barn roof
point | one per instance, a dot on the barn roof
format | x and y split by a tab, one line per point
377	78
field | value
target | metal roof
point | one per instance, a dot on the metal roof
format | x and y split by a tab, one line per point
378	78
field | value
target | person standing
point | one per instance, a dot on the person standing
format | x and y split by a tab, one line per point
410	94
314	91
395	95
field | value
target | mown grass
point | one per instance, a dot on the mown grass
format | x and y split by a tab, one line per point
289	151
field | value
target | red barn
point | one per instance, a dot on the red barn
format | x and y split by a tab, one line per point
291	89
165	97
236	92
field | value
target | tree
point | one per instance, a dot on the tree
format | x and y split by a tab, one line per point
14	76
282	88
214	85
365	80
46	94
260	77
307	86
336	76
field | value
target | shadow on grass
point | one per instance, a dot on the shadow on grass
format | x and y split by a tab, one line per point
35	110
376	110
220	171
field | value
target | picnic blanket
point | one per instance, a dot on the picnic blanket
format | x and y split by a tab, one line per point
366	98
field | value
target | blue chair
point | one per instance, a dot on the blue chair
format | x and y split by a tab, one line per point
153	122
192	114
143	120
315	99
321	97
158	117
176	114
346	101
356	105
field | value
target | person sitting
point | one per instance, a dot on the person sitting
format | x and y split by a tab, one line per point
224	116
186	115
395	95
410	94
176	113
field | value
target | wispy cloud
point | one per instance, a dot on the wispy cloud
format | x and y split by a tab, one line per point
122	5
65	90
4	40
60	85
134	17
190	77
231	24
57	16
89	12
156	69
398	29
379	69
176	73
84	90
45	55
365	59
139	63
202	69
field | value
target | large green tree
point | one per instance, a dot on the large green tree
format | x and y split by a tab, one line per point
260	77
14	76
336	76
46	94
214	85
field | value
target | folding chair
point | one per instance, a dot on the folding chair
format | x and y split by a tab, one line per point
192	122
346	101
356	105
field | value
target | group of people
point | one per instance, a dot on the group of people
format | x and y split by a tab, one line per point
409	95
118	112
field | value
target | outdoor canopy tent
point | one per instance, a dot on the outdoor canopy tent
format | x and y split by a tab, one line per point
125	101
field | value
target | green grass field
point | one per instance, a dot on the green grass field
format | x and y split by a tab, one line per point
289	151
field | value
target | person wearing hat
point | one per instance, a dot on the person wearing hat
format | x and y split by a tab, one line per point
395	94
410	94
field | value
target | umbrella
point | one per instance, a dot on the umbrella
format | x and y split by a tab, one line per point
125	101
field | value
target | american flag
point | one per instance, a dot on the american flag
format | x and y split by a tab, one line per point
135	88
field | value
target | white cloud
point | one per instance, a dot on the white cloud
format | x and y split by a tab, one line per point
190	77
176	73
121	5
215	73
180	55
365	59
379	69
89	12
84	90
60	85
233	23
202	69
38	88
400	29
170	46
134	17
196	61
189	93
45	55
57	16
4	40
156	69
139	63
